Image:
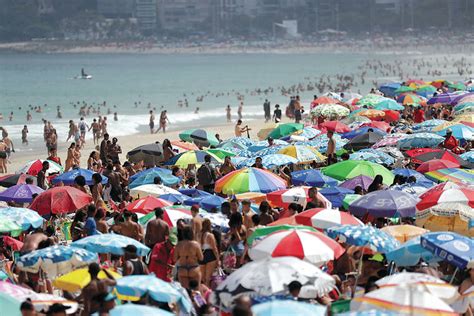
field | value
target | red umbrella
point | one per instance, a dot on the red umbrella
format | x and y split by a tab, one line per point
15	244
391	116
384	126
436	164
323	100
334	126
147	204
468	124
60	200
420	151
447	196
443	154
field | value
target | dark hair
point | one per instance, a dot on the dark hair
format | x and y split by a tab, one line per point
100	213
159	212
94	269
235	220
374	186
80	181
294	285
91	209
97	178
188	233
256	219
264	207
80	216
27	305
207	158
157	180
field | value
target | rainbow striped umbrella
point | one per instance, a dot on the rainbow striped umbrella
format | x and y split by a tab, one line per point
249	180
409	99
456	175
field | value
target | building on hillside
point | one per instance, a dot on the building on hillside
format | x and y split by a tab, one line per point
146	15
116	8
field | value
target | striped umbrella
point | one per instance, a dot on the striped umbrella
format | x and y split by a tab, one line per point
313	247
269	161
34	166
263	231
436	164
171	215
192	157
249	180
10	180
147	204
302	153
322	218
456	175
410	99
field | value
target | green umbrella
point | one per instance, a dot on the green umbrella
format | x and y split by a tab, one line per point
10	305
199	136
404	89
264	231
456	85
349	199
352	168
285	130
221	153
370	100
9	226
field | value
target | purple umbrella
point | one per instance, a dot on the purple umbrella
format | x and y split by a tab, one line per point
20	193
445	98
363	181
460	97
385	203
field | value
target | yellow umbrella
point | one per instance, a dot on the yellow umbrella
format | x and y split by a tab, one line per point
302	153
78	279
263	133
437	223
443	126
403	233
464	118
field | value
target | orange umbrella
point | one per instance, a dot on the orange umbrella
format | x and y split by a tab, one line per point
404	233
323	100
372	114
255	197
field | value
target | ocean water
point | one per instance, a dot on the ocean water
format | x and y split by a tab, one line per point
123	79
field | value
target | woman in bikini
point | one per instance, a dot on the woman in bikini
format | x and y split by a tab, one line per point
210	252
187	256
3	157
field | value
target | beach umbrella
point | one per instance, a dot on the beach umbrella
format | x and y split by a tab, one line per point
192	157
59	200
150	154
325	99
388	104
464	98
148	177
55	260
403	233
78	279
370	100
320	142
363	130
200	137
287	307
270	161
464	105
465	118
404	89
68	177
415	189
330	110
192	192
362	181
110	243
313	247
468	156
419	140
302	153
10	180
388	89
456	249
152	189
372	114
135	309
23	217
206	202
427	154
425	90
444	98
322	219
244	141
367	236
285	130
262	134
335	195
263	231
260	151
183	145
428	124
218	220
34	166
282	198
147	204
410	253
391	151
249	180
385	203
380	125
406	299
335	126
133	287
460	131
352	168
171	215
363	141
20	193
312	177
274	275
456	175
9	226
388	140
159	170
410	99
370	312
373	156
436	164
307	133
391	116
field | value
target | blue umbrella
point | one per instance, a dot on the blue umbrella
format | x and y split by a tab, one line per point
428	125
270	161
457	249
364	236
148	178
206	202
135	309
110	243
420	178
68	177
20	193
410	253
312	177
287	307
56	260
265	150
264	144
320	142
460	131
244	141
469	156
419	140
194	192
362	130
385	203
174	198
335	195
388	89
141	173
415	189
373	156
159	290
24	217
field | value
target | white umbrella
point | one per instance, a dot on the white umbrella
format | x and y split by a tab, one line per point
152	189
271	276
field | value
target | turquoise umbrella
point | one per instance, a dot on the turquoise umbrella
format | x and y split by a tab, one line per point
135	309
410	253
287	307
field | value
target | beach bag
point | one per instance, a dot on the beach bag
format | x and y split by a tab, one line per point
230	260
217	278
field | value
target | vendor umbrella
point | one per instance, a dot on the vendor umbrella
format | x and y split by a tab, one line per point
150	154
59	200
322	219
285	130
249	180
20	193
352	168
456	249
147	204
313	247
10	180
200	137
109	243
384	203
363	141
68	177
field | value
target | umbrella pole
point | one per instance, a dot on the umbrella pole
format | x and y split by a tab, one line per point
359	271
454	275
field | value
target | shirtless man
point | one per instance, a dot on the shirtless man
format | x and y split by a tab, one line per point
95	292
129	228
32	241
114	182
95	131
157	229
247	213
196	223
152	122
239	130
